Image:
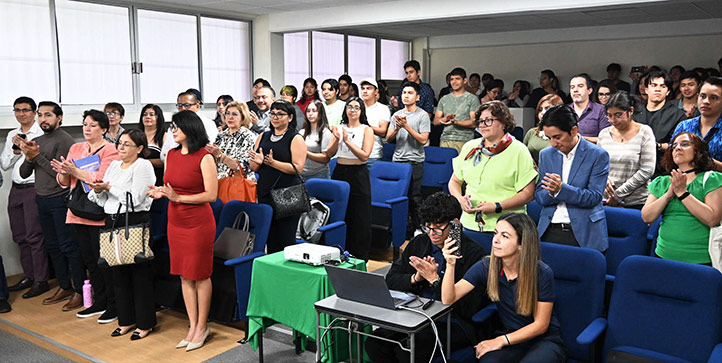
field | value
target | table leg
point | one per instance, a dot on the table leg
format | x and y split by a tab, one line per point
448	335
412	345
260	346
318	336
359	348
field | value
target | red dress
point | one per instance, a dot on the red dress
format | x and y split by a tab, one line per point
191	227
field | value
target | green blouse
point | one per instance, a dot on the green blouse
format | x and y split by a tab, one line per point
683	237
535	143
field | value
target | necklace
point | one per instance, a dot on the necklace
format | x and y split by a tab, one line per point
275	138
693	170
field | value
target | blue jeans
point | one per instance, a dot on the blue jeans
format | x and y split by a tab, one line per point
61	243
323	174
370	162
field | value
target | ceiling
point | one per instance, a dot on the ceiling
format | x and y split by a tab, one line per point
262	7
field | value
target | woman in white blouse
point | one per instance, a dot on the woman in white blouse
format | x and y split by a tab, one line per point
133	284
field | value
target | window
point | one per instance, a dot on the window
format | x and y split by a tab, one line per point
226	68
94	52
27	59
393	56
328	56
361	58
295	59
168	49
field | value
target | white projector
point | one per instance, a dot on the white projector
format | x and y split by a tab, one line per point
311	254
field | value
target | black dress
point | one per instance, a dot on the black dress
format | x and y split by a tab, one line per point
283	231
154	153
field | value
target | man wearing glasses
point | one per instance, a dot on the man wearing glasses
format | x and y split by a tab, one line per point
420	271
22	209
115	113
189	100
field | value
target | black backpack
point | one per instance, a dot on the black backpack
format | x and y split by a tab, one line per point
310	221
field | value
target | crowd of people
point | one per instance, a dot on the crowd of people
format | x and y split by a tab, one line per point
654	145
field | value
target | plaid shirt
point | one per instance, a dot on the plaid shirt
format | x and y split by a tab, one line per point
713	137
427	97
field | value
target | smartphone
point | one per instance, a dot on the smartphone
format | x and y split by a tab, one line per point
468	201
455	235
638	69
22	136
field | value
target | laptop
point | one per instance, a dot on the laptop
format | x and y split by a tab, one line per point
366	287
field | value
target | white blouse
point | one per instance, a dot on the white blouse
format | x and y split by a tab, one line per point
135	179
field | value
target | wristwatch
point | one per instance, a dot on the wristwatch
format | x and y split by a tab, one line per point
435	283
498	207
684	195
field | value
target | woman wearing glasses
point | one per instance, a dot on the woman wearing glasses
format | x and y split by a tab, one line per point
689	201
632	154
132	284
152	123
278	156
498	170
190	185
356	139
232	145
535	140
605	90
95	125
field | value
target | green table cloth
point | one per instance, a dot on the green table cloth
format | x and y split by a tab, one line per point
285	291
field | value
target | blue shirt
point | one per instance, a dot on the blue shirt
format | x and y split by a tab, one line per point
713	137
477	276
426	97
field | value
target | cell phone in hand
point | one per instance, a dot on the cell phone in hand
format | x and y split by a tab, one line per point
22	136
455	235
638	69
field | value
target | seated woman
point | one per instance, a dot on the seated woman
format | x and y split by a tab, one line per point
605	89
632	154
689	204
498	171
232	145
535	140
519	95
521	285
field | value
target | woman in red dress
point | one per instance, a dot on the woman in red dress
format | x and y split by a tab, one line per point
191	183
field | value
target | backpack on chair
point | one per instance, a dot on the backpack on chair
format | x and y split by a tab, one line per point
310	221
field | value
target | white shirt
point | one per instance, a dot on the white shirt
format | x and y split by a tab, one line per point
135	180
561	214
375	114
8	159
208	125
356	136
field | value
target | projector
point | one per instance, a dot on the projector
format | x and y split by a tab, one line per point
311	254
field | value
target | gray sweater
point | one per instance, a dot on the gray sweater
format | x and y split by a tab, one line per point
52	146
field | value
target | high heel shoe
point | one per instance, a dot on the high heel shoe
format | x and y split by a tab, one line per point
183	343
192	346
136	334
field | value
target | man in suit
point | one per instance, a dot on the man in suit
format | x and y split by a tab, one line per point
574	174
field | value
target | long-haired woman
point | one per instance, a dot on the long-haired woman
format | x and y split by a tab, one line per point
320	142
152	122
310	93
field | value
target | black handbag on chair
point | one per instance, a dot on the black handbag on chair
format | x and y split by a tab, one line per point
290	201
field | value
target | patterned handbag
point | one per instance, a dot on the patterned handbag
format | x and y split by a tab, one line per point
125	245
290	201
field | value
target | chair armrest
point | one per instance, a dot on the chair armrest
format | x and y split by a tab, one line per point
716	355
592	331
484	314
334	234
399	219
332	226
611	278
243	259
396	200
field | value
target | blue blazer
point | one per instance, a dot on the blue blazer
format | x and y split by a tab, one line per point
582	193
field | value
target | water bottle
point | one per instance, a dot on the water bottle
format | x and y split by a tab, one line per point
87	294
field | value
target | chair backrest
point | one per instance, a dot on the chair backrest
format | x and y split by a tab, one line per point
159	218
388	152
217	206
652	235
438	167
333	193
627	236
518	133
260	220
666	307
483	239
389	180
332	165
579	278
533	209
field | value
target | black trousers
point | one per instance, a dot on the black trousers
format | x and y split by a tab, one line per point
283	230
415	198
102	279
547	348
358	213
563	235
133	285
380	351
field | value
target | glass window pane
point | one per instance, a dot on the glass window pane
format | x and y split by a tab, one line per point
361	58
26	51
295	59
226	69
327	56
94	45
393	56
168	49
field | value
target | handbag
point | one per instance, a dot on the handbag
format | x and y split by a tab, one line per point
715	239
125	245
78	201
290	201
235	241
236	187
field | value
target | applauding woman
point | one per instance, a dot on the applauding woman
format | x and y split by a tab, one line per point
279	154
132	284
232	145
320	142
191	183
521	285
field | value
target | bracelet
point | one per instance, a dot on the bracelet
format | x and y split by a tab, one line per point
507	339
684	195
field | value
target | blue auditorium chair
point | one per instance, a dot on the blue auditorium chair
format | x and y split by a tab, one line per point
388	152
533	209
438	168
334	194
390	203
627	236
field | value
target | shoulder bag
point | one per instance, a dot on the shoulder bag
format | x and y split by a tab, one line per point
236	186
78	201
125	245
290	201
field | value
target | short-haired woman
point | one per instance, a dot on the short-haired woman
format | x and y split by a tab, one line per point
232	145
521	285
689	201
132	284
497	169
535	140
289	94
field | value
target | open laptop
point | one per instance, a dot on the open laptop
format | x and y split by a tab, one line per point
365	287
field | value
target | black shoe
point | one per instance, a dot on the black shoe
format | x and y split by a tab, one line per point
91	311
108	316
119	331
5	306
38	288
21	285
136	335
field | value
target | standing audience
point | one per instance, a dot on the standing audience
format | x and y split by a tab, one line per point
152	122
321	145
221	103
456	113
548	84
592	117
378	117
231	147
115	113
689	85
708	125
289	93
310	94
334	107
535	139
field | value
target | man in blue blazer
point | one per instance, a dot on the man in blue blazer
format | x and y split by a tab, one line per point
574	174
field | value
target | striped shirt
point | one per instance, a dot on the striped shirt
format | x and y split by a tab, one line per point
631	164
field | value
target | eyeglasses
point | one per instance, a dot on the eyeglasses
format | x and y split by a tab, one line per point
487	121
112	113
604	94
173	126
615	115
149	115
277	115
181	106
435	231
353	108
220	104
22	110
124	145
234	114
683	145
